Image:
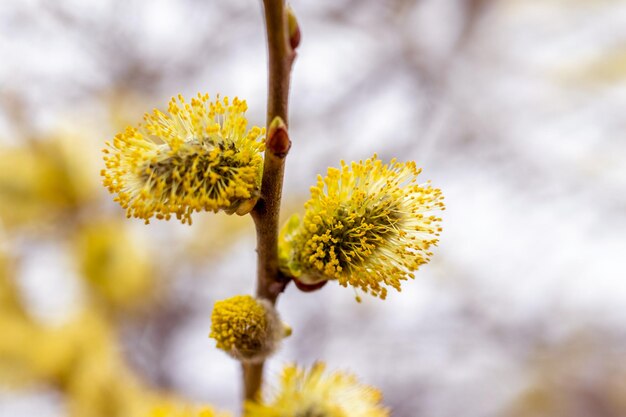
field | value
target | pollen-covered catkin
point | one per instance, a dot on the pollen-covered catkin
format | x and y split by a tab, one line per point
315	392
199	156
246	328
368	225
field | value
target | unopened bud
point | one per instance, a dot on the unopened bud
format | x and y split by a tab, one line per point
246	206
277	138
306	287
294	28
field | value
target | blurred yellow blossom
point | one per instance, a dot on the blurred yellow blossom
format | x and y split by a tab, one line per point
114	264
368	225
16	338
31	351
199	156
43	177
9	298
173	410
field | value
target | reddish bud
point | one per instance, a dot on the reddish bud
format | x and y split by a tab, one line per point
294	28
309	287
277	138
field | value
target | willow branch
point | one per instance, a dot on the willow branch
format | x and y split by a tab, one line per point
270	282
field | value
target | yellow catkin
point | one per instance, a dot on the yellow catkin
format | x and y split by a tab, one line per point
246	328
317	393
199	156
368	225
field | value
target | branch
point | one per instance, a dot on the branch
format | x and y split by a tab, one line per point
270	282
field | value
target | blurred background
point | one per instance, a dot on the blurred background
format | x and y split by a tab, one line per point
514	108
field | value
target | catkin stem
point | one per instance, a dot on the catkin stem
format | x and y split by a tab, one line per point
270	282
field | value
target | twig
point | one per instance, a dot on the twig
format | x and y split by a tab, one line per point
270	282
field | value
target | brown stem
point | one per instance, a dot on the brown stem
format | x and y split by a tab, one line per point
252	378
270	282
